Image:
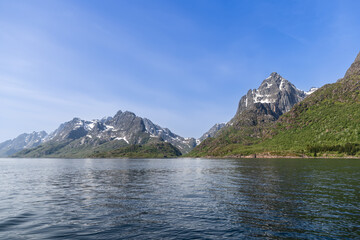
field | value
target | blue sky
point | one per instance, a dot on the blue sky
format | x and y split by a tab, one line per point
182	64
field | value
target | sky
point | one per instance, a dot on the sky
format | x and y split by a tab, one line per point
184	64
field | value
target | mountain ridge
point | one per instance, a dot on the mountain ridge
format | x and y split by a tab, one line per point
25	140
259	107
274	97
326	124
77	137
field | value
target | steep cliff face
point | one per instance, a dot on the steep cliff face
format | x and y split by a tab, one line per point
275	93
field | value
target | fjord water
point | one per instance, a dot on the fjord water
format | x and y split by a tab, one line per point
179	199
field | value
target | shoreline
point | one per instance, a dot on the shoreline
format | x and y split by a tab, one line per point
259	156
251	156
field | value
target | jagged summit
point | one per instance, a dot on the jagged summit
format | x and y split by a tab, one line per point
274	75
276	92
79	137
25	140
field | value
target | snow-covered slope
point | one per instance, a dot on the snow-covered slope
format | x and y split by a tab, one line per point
25	140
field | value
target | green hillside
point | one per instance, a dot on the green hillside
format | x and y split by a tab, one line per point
327	123
111	149
152	150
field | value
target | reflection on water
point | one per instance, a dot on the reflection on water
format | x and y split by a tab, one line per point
179	199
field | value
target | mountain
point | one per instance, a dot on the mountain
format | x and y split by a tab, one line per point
275	93
212	132
81	138
25	140
185	145
324	124
259	107
327	123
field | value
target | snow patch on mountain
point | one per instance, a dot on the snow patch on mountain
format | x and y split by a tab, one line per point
312	90
122	138
23	141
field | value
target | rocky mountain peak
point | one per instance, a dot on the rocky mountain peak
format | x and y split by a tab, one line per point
212	132
25	140
276	92
274	76
274	81
118	113
128	113
76	120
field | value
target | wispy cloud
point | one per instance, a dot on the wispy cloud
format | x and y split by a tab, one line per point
183	67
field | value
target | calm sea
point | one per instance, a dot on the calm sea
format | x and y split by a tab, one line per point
179	199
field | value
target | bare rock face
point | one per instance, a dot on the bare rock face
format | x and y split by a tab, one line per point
274	97
275	92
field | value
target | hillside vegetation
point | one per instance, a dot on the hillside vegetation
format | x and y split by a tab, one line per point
327	123
152	150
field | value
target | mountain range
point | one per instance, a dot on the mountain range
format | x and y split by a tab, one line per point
81	138
25	140
276	119
96	138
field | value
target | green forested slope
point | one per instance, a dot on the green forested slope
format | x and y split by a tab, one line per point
151	150
113	149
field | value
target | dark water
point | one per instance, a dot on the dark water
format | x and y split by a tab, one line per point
179	199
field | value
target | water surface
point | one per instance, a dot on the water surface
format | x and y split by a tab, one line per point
179	199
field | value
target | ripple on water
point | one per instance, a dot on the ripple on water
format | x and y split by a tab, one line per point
179	199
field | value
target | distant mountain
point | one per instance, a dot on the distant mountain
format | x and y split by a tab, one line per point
274	97
212	132
81	138
185	145
25	140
